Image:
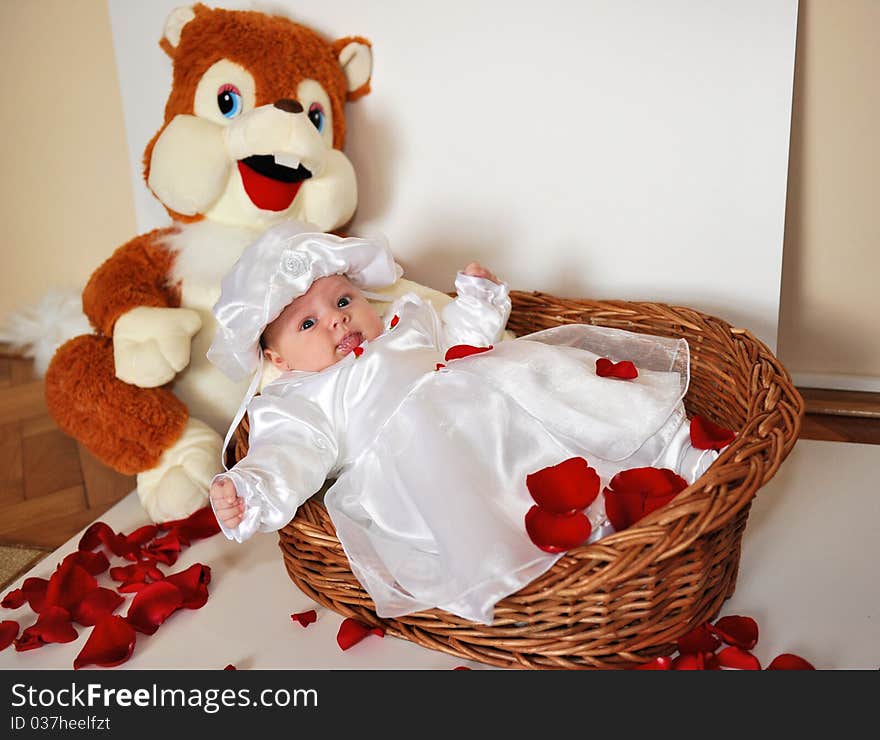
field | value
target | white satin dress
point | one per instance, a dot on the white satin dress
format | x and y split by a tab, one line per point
430	499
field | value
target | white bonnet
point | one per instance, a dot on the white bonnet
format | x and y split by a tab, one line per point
279	266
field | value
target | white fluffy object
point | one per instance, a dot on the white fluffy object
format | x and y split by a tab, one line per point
41	329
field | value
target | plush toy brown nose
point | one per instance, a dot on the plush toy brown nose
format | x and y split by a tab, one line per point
286	104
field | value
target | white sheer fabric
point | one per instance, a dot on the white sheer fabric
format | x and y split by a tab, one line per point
430	465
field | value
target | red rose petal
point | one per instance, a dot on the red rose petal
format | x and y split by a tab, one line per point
567	486
135	576
135	542
8	632
97	534
790	662
152	605
394	320
28	641
305	618
153	572
557	532
69	585
698	640
706	435
352	632
167	548
688	662
110	643
461	668
229	667
142	535
34	590
193	584
736	630
199	525
439	365
710	662
635	493
93	563
128	573
13	599
460	351
358	351
100	533
696	662
53	625
623	370
132	587
734	657
663	663
95	606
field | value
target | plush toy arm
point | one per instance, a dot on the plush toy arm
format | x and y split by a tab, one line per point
136	275
401	287
152	345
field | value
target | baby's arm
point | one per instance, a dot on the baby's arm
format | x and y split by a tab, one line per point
292	448
480	310
475	269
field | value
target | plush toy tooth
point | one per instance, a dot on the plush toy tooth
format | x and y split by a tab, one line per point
286	159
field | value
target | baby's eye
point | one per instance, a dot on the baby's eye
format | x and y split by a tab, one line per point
343	302
307	324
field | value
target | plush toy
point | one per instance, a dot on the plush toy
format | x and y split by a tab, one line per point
253	135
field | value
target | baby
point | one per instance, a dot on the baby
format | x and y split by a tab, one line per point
317	329
427	422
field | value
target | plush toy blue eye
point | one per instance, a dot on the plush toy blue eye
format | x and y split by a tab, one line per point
317	116
229	101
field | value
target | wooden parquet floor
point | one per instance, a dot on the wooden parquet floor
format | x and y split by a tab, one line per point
51	487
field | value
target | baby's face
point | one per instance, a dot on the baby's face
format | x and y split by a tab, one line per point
321	326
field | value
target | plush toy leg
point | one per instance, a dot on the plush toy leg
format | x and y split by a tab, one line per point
126	427
179	484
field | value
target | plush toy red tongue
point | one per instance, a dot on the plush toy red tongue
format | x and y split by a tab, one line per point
265	193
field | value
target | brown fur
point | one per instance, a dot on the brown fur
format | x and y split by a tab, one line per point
135	275
124	426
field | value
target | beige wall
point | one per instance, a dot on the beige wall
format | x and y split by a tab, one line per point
65	193
830	307
62	114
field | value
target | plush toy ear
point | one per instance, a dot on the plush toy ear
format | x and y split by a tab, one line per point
356	57
174	24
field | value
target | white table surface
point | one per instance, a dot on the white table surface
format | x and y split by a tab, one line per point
808	575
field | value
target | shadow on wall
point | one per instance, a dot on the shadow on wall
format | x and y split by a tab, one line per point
370	145
791	293
466	238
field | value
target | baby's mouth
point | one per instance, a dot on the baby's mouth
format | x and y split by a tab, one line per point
349	342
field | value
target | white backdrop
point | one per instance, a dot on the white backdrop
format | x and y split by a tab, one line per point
631	149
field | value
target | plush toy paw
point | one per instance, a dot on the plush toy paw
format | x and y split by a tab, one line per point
152	345
179	484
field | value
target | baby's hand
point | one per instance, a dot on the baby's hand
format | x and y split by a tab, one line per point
475	269
228	505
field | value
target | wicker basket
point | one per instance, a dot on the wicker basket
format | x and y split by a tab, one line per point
626	598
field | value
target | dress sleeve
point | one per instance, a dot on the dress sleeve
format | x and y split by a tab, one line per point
292	448
478	314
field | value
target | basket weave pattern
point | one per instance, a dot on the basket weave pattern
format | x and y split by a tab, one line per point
626	598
